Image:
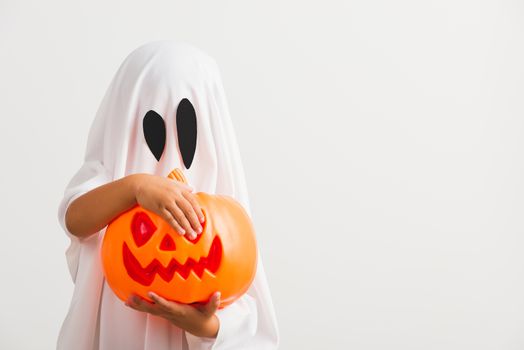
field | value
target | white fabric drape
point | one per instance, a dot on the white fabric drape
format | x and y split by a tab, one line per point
157	76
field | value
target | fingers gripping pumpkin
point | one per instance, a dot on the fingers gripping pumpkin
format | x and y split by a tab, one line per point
141	252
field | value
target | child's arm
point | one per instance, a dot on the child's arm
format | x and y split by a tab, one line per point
170	199
198	319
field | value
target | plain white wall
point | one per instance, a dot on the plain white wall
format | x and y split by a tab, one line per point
382	141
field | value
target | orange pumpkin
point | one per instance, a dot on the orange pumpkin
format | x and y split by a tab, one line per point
141	252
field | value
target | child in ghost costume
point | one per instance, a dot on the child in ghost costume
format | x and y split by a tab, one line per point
157	77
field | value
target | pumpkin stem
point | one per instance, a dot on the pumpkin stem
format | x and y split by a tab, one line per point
177	174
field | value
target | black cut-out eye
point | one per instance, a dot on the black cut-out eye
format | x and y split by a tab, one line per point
155	133
186	126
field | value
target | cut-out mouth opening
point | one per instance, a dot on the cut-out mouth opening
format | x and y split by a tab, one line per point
146	275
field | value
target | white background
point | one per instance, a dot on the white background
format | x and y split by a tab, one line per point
382	142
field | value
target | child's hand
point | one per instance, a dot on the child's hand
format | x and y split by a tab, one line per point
199	320
172	200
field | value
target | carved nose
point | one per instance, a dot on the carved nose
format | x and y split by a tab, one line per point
167	243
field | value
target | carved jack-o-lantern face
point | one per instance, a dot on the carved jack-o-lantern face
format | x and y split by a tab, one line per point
141	252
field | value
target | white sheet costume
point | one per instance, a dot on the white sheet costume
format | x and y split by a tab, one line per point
157	76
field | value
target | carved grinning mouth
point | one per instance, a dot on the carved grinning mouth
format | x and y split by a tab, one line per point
146	275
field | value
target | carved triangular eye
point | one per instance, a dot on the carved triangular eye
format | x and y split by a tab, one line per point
142	228
186	126
155	133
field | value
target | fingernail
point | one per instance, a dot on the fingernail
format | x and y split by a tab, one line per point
182	232
200	229
202	219
151	294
